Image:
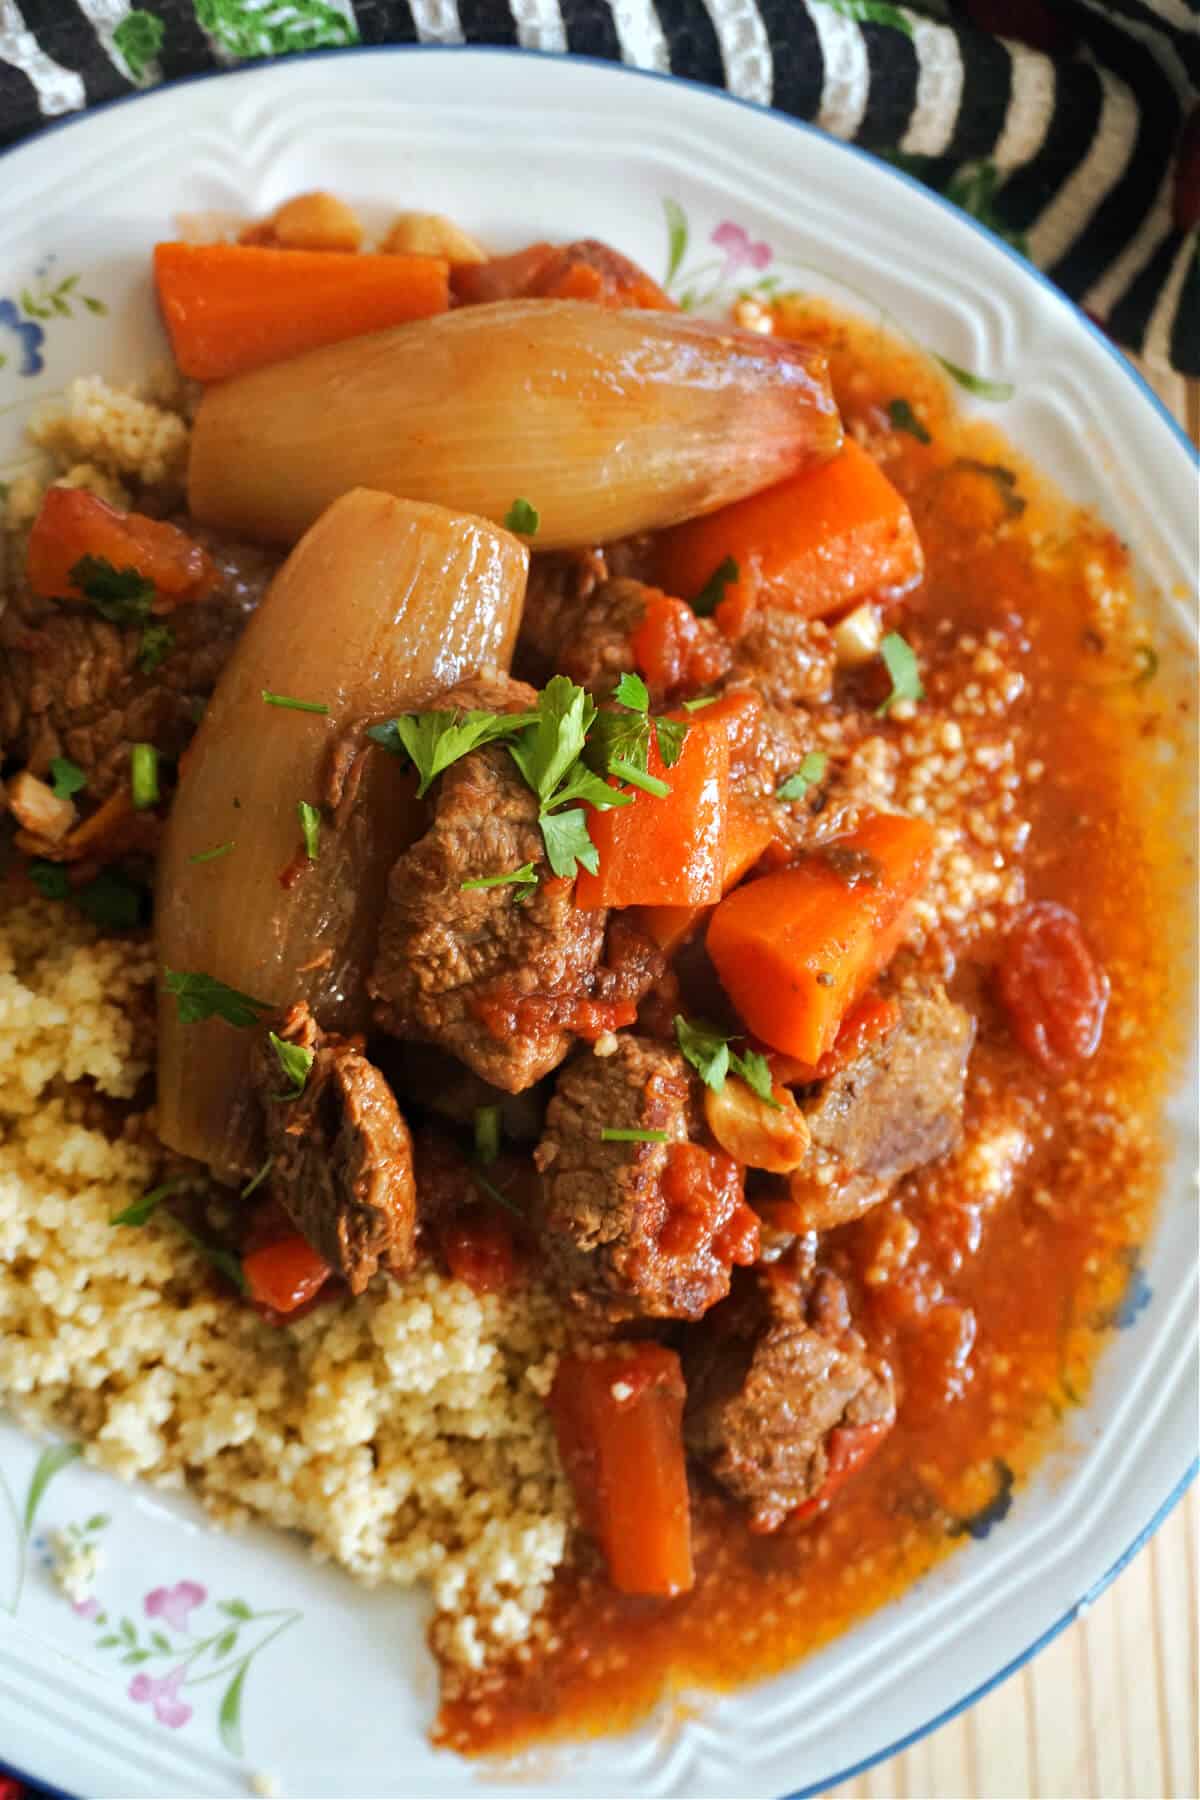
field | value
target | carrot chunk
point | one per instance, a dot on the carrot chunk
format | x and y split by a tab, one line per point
73	524
817	543
748	831
284	1274
233	307
668	850
619	1422
796	949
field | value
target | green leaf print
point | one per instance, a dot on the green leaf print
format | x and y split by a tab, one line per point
273	27
677	238
49	1463
871	12
229	1719
139	38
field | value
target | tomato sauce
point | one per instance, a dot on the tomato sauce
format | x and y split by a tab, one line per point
993	1279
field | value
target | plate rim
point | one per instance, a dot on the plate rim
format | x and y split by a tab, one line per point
1026	270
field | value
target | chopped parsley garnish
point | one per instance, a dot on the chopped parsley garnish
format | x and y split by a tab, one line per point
286	700
50	879
522	517
109	900
565	750
140	1210
158	641
488	1131
310	828
905	419
1003	479
66	777
199	997
901	665
617	1134
526	875
494	1193
295	1061
713	591
709	1053
121	596
699	701
812	769
143	775
632	691
225	1261
434	740
203	856
259	1176
638	778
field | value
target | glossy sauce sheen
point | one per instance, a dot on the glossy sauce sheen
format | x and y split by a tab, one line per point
991	1297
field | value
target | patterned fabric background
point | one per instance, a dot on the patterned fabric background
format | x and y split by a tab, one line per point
1075	135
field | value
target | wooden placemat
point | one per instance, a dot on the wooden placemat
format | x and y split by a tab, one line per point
1108	1711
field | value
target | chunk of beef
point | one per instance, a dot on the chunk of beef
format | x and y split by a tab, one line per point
504	976
577	622
638	1227
71	684
894	1108
783	1399
341	1156
788	658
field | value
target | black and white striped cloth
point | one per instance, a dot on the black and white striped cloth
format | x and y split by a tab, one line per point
1086	157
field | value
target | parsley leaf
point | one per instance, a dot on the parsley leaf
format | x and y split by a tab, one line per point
203	856
617	1134
632	691
522	517
200	997
903	418
709	1053
713	591
310	828
706	1049
488	1130
434	740
812	769
526	875
143	775
700	700
285	700
140	1210
1003	479
902	667
112	901
546	751
158	641
121	596
229	1265
639	778
565	835
295	1061
50	879
583	783
66	777
671	735
259	1176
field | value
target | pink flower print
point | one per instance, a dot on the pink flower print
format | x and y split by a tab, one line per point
741	251
162	1693
175	1603
86	1609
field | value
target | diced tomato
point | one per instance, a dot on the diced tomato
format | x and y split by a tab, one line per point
479	1248
73	524
285	1274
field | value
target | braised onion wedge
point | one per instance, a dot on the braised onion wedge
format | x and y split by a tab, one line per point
382	605
607	422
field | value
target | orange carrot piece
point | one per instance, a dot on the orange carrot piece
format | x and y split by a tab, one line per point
73	524
667	851
619	1422
585	270
748	831
817	543
795	950
867	1022
233	307
285	1274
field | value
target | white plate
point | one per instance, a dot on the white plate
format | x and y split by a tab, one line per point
516	147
